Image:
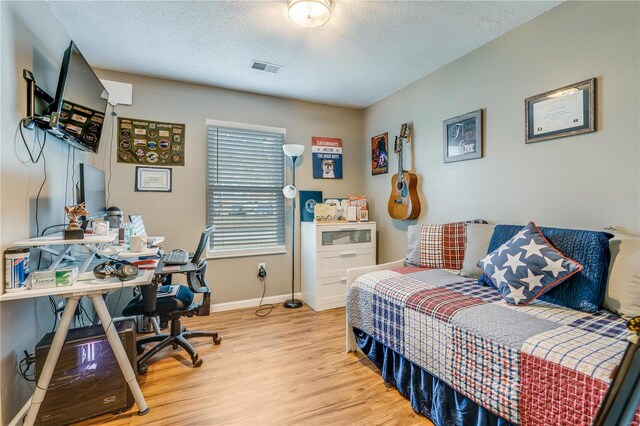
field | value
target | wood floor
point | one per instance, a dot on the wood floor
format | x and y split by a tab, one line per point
288	368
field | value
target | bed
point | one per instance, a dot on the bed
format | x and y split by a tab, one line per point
462	355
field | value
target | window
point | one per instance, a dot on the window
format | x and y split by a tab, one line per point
245	176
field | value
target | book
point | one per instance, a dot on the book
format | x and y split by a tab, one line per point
325	212
172	291
308	201
360	202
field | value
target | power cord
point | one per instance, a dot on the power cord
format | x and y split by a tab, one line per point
24	365
264	309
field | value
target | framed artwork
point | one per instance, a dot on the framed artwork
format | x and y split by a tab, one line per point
153	179
567	111
380	154
326	158
150	143
462	139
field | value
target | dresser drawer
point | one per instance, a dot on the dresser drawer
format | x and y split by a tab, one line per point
332	292
336	263
345	237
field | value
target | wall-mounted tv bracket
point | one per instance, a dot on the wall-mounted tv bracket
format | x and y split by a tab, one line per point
34	91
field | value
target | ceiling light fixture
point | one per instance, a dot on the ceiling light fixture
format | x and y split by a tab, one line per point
309	13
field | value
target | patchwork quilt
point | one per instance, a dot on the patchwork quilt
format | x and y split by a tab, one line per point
539	364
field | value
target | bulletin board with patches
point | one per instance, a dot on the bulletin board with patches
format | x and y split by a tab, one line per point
150	142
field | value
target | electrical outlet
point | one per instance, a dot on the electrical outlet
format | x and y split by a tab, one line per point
262	270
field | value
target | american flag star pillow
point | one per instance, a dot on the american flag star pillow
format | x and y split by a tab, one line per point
527	266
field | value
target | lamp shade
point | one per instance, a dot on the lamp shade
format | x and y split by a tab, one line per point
290	191
293	150
309	13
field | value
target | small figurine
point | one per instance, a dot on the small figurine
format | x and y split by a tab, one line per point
73	230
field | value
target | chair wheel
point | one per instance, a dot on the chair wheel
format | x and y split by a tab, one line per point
142	369
197	362
140	349
217	340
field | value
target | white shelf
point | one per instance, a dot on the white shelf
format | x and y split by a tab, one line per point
85	285
57	239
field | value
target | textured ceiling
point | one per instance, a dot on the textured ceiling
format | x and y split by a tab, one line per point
367	50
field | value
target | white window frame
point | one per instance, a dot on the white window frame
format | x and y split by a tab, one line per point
231	253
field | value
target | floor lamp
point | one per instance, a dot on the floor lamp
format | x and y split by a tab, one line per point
292	151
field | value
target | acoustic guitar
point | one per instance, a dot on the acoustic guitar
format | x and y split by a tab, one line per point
404	202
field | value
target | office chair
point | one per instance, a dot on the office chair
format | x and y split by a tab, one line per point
172	308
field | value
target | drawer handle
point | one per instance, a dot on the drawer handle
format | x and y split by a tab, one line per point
348	253
346	228
343	279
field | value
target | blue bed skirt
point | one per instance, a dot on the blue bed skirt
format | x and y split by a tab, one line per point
428	395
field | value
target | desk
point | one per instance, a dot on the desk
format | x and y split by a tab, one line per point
90	241
94	289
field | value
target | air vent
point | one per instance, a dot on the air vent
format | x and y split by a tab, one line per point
265	66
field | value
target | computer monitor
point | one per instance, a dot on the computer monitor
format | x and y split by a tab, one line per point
92	191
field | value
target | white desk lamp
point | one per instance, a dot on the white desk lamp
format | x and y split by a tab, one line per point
292	151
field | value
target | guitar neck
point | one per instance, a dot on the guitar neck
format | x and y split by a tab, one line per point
400	165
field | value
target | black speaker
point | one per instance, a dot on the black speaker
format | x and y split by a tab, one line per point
87	380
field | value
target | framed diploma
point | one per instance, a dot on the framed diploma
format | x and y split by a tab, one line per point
562	112
153	179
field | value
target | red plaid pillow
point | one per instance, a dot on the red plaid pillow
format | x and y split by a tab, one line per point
442	246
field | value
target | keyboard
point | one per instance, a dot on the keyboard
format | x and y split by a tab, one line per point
176	257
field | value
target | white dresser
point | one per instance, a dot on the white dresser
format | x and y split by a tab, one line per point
328	250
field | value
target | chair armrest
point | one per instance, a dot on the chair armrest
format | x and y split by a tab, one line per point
196	277
352	276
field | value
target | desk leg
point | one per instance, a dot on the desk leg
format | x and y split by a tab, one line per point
119	352
52	359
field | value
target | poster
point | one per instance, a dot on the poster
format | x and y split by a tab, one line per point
380	154
326	158
150	143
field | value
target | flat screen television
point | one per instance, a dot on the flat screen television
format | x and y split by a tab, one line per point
92	191
78	110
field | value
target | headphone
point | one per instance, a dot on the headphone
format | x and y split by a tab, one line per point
120	269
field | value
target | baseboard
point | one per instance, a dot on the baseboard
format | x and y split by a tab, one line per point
250	303
17	420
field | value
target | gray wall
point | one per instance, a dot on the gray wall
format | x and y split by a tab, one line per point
31	38
181	214
588	181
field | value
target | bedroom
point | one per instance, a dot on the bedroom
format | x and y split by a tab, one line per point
505	55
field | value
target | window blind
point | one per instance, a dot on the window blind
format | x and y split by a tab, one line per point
245	176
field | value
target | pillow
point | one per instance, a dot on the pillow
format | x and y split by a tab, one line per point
622	295
437	246
527	266
478	237
583	291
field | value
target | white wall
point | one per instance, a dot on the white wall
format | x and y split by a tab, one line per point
181	214
588	181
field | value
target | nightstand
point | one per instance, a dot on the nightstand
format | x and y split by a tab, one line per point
328	250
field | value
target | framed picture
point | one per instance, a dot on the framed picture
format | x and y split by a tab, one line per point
153	179
326	158
463	137
562	112
380	154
